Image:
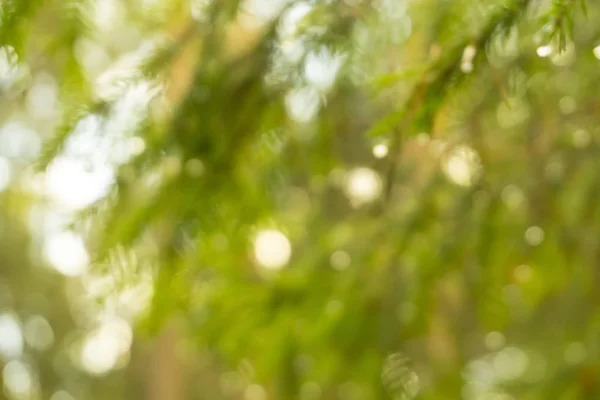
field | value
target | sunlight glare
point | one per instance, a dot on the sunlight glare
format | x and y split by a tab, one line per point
302	104
363	185
544	51
103	348
380	150
74	184
322	68
272	249
66	252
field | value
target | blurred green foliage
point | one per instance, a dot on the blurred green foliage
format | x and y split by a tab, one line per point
384	199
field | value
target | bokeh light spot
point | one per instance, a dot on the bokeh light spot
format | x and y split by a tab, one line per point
11	337
510	363
302	104
322	67
272	249
18	141
340	260
18	380
513	197
9	67
74	184
66	252
567	105
380	150
544	51
39	333
462	165
581	138
103	348
534	235
363	185
523	273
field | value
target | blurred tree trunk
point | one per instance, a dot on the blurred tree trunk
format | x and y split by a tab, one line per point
167	370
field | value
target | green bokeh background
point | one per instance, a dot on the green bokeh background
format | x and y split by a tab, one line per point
462	262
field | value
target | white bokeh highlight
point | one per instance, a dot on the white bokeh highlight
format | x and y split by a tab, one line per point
103	348
11	337
380	150
272	249
66	252
363	185
18	380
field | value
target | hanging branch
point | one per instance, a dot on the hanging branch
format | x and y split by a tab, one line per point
430	92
